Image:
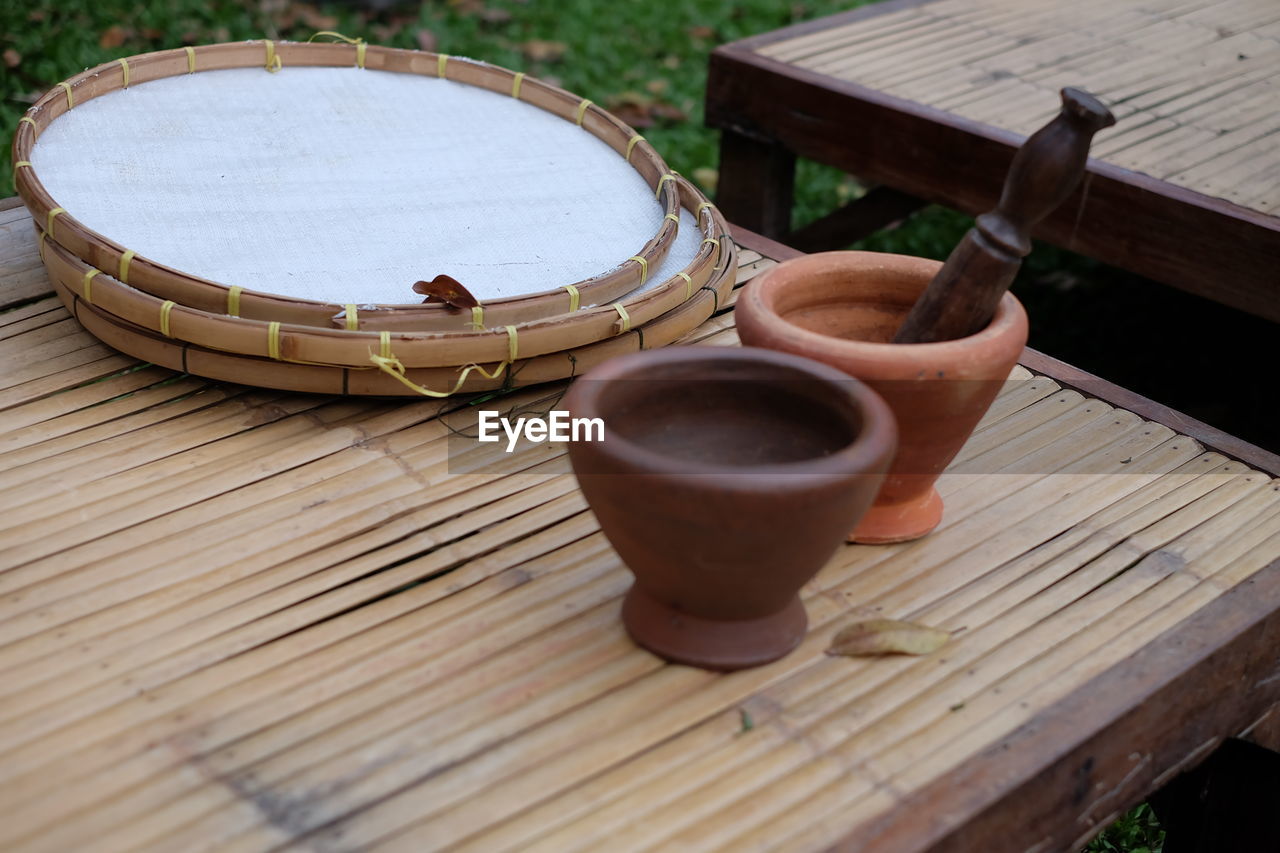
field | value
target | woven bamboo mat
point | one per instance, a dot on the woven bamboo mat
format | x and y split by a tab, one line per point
242	619
1192	82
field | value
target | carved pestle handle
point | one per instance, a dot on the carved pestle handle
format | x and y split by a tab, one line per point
962	298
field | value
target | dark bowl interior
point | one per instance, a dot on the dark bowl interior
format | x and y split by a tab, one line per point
731	414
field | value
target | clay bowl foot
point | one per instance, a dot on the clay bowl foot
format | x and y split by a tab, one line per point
708	643
886	524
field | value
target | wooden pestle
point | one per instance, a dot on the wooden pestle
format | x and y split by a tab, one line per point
962	298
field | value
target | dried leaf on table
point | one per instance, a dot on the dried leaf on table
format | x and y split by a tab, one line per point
887	637
446	289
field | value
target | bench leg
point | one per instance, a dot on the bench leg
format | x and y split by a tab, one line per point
1230	802
756	185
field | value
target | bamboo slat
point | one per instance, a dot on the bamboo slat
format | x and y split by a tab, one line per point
244	619
1190	81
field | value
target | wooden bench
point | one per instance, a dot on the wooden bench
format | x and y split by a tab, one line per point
243	619
928	99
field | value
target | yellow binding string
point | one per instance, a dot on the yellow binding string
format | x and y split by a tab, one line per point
477	318
515	85
441	61
30	120
575	298
16	166
71	102
390	365
233	300
631	145
626	318
273	340
644	267
124	68
53	214
688	284
712	241
353	318
582	111
164	317
191	59
674	217
657	193
358	42
87	284
706	205
125	259
273	61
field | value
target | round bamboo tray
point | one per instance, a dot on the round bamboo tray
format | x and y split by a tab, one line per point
433	381
353	348
183	288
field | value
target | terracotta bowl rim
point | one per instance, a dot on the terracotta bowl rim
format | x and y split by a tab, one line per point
869	451
1010	317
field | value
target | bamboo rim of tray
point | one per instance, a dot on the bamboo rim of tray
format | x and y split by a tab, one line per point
183	288
437	382
353	348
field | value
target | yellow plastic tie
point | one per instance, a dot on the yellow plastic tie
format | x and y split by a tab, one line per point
644	267
53	214
441	61
273	340
164	317
30	121
575	298
631	145
515	85
477	318
124	68
358	42
233	300
16	166
125	259
688	284
513	345
353	318
273	61
191	59
71	102
87	284
582	111
657	193
706	205
626	318
674	217
393	367
712	241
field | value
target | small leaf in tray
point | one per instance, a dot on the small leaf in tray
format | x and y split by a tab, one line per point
446	289
887	637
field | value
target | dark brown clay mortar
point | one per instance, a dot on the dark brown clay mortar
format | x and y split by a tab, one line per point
843	308
726	479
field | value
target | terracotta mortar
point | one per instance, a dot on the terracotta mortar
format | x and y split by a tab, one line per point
726	479
842	308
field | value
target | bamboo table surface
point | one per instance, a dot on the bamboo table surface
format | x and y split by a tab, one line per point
931	96
247	620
